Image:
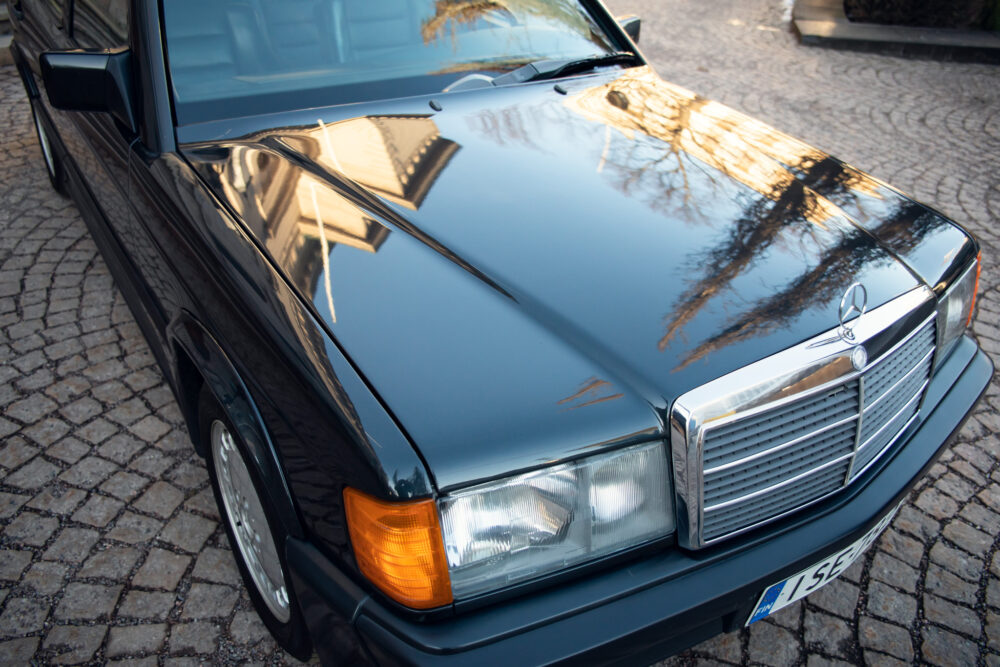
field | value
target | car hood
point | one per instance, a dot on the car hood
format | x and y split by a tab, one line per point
536	272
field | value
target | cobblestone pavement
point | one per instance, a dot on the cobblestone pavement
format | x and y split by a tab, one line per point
111	546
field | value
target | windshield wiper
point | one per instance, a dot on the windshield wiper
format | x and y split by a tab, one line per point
553	69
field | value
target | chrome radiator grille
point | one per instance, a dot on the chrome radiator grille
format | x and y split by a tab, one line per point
776	460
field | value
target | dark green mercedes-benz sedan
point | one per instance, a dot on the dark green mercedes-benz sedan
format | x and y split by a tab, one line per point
498	347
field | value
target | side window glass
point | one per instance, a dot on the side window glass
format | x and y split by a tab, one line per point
101	24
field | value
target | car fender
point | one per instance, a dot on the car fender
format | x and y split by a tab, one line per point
225	383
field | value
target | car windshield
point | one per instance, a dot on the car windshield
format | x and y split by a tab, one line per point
239	57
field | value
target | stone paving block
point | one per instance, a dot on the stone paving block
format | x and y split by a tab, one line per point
886	638
188	531
773	645
993	631
162	569
58	499
147	605
30	529
940	611
134	528
128	412
29	410
13	563
983	518
947	585
81	410
957	561
73	644
120	448
209	601
247	628
151	462
72	545
111	563
136	639
23	616
944	648
894	572
68	450
88	472
217	566
968	538
150	429
46	577
98	511
838	597
18	651
16	452
203	502
87	602
827	634
196	637
97	431
124	485
160	499
33	475
189	475
897	545
890	604
10	502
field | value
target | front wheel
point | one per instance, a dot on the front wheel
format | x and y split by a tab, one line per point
256	537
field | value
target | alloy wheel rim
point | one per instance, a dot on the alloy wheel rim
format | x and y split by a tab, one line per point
43	139
248	522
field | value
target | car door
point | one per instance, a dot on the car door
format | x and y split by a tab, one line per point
102	147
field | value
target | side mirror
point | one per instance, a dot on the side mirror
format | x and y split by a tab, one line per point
631	25
91	81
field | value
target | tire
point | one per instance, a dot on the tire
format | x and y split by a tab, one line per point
53	165
261	558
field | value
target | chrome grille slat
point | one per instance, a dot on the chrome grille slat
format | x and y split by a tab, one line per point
809	454
884	374
729	442
879	440
775	503
785	445
757	468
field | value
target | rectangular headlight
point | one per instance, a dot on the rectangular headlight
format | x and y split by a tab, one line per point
955	309
503	532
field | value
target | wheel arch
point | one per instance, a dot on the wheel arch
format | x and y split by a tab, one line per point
199	361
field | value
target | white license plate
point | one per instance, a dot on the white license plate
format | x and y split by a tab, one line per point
805	582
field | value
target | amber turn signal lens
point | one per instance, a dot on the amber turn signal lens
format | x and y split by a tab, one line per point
975	290
399	548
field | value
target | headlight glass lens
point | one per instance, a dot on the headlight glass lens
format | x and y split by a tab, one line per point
500	533
955	309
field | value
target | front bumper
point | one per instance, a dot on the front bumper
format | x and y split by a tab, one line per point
653	606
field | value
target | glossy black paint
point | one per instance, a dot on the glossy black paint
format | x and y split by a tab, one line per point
407	301
527	215
91	81
668	601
